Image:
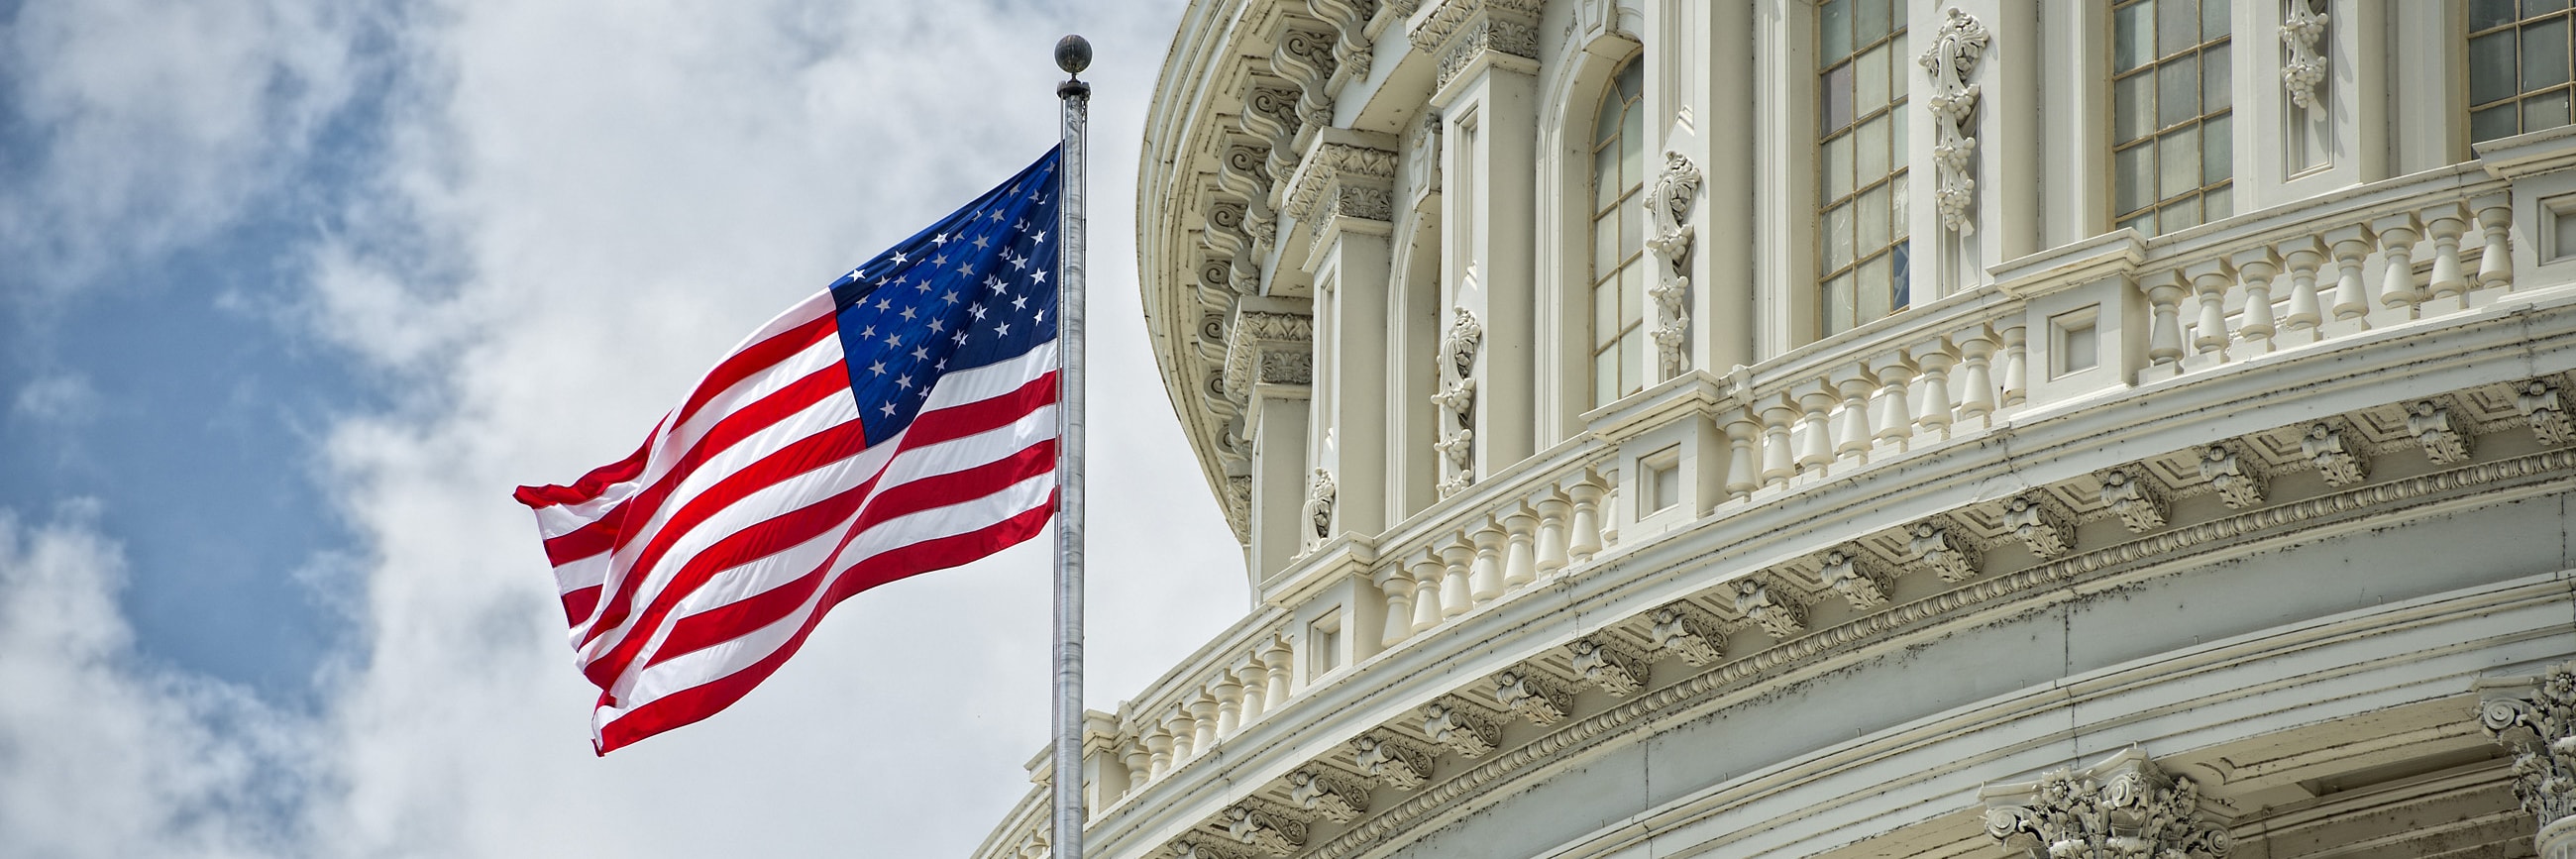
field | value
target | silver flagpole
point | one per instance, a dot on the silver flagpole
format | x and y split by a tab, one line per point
1072	54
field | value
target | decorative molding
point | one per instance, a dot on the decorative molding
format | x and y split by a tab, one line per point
1607	664
1399	763
1956	51
2539	725
2132	495
1459	31
1781	616
1329	794
1533	694
2306	67
1851	572
2238	479
2048	531
1267	827
1267	348
1320	493
2543	405
1685	630
1195	846
1351	53
1668	208
1457	397
2123	807
1305	56
1467	732
2324	446
2430	422
1942	550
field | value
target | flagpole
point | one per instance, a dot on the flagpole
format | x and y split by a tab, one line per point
1072	54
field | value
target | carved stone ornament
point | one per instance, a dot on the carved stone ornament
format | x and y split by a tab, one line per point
1668	207
2306	67
2040	525
1343	180
1956	51
1688	632
1949	555
2124	808
1533	694
2542	404
1198	847
2237	478
1269	348
2540	727
1320	493
1329	794
1464	731
1304	55
1461	30
1608	665
2324	446
2431	424
2134	498
1264	826
1350	18
1850	572
1777	615
1398	763
1457	397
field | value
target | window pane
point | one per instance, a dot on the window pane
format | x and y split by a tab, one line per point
1901	292
1632	81
1632	296
1896	206
2490	13
1836	311
2133	177
1896	126
2133	107
2133	36
1605	176
1871	221
2177	92
2491	65
1838	237
2180	216
2218	204
1899	67
1632	362
1869	21
1632	149
2144	223
1631	231
2535	8
2217	88
1833	31
1875	289
1869	151
2544	55
1834	100
1869	81
2217	150
2213	20
1605	245
1605	314
1838	168
2178	163
2545	111
2177	26
2492	123
1605	377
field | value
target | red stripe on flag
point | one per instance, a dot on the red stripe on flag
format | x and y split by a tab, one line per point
752	361
578	602
985	415
591	485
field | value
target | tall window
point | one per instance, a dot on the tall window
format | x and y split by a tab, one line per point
1860	99
2172	148
2518	67
1618	239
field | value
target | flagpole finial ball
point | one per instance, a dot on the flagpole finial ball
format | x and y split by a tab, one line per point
1073	54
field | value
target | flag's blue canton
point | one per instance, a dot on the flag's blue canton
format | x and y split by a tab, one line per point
974	289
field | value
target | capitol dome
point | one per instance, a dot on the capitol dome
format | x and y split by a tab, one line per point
1862	428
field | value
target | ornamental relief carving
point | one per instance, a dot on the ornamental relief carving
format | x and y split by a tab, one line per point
1457	397
2121	808
1668	208
1320	492
2539	725
1269	348
2306	68
1957	48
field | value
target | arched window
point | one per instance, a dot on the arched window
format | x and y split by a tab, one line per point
1618	231
1862	71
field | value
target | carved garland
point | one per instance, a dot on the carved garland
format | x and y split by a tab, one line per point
1954	55
1457	399
2306	67
1668	208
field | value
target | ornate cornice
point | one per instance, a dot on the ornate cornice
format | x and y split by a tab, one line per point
1268	348
2121	808
1460	30
1355	181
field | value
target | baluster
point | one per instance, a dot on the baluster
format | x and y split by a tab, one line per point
2444	223
1158	748
2209	279
1184	734
1252	676
1815	440
1455	594
2397	235
1976	377
1229	702
1742	432
2302	256
1895	416
1139	761
1275	657
2255	268
1398	588
1203	715
1485	573
2495	258
1934	413
1586	538
2352	298
2016	363
1856	384
1776	455
2164	332
1552	510
1609	501
1519	568
1428	574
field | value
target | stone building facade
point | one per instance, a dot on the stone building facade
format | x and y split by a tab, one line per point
1865	428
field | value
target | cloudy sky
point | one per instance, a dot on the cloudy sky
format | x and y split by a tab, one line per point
293	292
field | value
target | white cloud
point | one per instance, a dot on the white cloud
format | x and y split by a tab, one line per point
63	400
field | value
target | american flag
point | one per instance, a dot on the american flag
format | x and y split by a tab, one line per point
900	421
